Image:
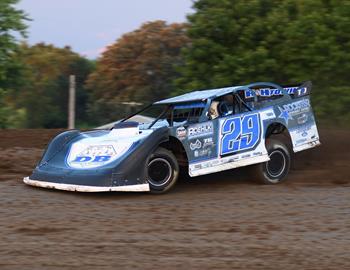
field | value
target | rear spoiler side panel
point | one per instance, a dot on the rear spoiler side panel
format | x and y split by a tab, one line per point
268	92
292	107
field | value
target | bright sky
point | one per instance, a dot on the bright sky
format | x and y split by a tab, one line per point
88	26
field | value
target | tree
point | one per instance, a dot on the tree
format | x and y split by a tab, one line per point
11	22
44	95
139	67
237	42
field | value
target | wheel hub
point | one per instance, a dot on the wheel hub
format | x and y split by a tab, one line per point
277	163
159	171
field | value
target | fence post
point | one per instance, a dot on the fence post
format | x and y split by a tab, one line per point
71	102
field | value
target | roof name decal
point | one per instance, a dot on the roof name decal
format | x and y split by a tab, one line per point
269	92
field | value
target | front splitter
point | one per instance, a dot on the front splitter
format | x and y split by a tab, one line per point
82	188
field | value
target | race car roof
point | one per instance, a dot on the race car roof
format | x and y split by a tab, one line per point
199	95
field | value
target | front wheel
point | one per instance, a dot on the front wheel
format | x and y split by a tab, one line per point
162	170
277	168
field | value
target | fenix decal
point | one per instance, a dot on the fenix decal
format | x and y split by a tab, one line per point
200	130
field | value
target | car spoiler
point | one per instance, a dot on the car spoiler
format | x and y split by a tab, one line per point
268	91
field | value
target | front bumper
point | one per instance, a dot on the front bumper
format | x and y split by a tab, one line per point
83	188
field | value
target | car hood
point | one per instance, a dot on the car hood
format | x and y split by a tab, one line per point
92	149
93	152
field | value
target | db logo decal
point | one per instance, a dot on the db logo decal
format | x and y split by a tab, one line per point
92	156
91	159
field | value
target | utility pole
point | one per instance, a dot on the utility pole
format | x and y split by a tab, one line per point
71	102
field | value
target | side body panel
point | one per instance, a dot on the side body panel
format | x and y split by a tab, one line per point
239	140
226	143
298	117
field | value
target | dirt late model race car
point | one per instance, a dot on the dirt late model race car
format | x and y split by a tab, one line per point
201	132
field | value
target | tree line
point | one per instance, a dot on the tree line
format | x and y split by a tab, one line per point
223	43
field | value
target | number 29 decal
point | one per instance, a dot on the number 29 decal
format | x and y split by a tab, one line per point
240	133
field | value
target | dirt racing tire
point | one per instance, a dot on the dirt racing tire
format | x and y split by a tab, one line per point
277	168
162	170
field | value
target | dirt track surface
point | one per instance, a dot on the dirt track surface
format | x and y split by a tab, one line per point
222	221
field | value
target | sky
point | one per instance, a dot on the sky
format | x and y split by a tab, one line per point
88	26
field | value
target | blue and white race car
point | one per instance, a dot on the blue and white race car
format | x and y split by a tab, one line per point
201	132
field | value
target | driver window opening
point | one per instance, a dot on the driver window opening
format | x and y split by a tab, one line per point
223	106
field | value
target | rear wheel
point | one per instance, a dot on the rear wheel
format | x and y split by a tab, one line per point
277	168
162	170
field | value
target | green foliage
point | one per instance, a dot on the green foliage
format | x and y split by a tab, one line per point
227	42
332	106
139	68
3	110
44	94
238	42
11	22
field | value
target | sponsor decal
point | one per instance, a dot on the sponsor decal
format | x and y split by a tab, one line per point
196	145
205	165
267	114
301	141
297	107
86	156
270	92
202	152
215	162
94	156
198	166
284	114
181	133
92	159
208	142
236	159
303	134
202	147
240	133
200	130
287	111
302	119
270	114
303	130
